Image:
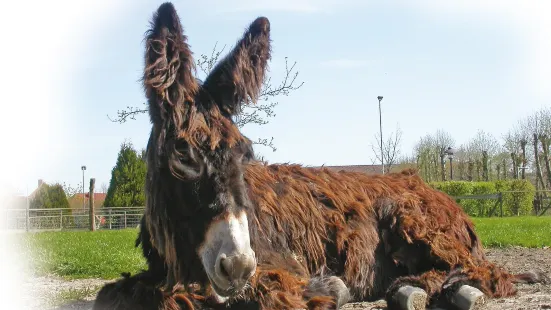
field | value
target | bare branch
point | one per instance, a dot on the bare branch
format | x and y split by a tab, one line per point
284	87
207	63
71	191
130	113
428	153
390	150
104	188
258	114
266	143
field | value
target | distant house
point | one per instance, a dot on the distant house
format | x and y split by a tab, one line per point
76	201
369	169
15	205
36	190
18	201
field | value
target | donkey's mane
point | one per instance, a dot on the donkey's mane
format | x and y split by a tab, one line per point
313	212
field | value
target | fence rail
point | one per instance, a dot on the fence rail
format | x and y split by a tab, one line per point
69	219
120	218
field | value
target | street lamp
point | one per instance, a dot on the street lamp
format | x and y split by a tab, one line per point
83	168
520	168
381	133
449	152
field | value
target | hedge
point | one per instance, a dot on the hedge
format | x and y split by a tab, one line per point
517	196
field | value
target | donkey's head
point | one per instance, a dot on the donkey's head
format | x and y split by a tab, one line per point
197	201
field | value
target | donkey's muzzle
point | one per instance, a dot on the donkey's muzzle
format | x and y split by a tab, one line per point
236	269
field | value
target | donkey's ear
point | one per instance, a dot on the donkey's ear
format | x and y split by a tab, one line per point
169	70
238	78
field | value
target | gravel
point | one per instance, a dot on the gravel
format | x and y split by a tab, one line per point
514	259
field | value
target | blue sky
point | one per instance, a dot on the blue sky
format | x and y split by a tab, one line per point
459	66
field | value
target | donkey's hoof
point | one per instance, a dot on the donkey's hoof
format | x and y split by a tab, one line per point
468	298
338	289
411	298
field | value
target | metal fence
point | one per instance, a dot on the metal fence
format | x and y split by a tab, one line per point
120	218
69	219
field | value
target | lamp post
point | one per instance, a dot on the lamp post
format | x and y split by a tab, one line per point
83	168
381	133
519	169
449	152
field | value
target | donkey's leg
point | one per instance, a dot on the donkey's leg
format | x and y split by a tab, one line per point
142	292
414	292
129	292
326	292
278	288
468	287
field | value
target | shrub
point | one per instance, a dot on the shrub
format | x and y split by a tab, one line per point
50	197
517	199
518	196
454	188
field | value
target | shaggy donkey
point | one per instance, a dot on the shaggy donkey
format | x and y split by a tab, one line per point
222	229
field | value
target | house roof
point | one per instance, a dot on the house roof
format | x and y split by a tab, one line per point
368	169
97	196
35	191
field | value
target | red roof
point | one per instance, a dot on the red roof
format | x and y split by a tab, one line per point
97	196
369	169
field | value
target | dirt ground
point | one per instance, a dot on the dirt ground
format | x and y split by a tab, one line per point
516	259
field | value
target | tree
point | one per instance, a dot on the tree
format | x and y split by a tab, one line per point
103	188
71	191
126	188
538	126
254	114
430	156
390	149
49	197
481	151
461	163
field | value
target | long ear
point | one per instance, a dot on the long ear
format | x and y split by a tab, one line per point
238	78
169	67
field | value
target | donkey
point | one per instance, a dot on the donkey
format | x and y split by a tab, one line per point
222	229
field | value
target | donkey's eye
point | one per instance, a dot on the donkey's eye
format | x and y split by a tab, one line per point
184	162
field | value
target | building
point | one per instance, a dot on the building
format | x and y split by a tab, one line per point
76	201
369	169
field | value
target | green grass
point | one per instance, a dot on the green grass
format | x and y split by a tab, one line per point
83	254
525	231
105	254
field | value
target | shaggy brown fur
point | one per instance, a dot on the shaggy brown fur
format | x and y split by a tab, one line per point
371	230
321	238
272	287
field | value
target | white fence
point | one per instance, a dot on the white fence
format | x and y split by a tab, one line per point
69	219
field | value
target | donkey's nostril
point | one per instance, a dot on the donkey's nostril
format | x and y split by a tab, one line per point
237	268
226	267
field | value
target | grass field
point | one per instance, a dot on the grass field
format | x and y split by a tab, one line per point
526	231
83	254
105	254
